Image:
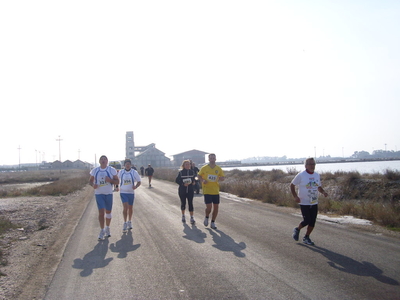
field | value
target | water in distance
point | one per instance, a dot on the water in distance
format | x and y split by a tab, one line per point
361	167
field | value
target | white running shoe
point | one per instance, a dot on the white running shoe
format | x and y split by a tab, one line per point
125	228
107	231
129	224
213	226
206	222
192	221
101	234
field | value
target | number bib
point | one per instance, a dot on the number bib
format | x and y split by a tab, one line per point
187	180
212	178
127	182
313	196
102	181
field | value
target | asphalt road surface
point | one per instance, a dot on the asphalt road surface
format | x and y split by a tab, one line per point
250	256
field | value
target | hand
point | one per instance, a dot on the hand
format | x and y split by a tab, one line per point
297	199
108	179
325	194
95	186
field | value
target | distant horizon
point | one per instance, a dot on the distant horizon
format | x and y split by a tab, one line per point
262	158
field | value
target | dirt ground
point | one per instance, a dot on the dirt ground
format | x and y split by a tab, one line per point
34	249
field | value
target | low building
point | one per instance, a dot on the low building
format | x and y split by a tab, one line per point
151	156
197	156
78	164
67	164
56	164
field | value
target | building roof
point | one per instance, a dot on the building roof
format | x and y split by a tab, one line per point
194	150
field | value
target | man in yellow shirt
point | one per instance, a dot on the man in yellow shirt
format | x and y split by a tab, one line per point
210	175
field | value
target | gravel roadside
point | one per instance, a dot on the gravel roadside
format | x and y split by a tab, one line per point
34	250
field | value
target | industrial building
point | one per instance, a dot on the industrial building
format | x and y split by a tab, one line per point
144	155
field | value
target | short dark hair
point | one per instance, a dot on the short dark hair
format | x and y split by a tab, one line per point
127	161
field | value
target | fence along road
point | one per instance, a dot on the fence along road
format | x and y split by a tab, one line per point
250	256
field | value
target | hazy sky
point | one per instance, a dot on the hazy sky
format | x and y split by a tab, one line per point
238	78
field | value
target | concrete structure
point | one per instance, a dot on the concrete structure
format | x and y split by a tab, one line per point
129	146
197	156
144	155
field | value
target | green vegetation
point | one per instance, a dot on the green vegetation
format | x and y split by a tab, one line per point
374	197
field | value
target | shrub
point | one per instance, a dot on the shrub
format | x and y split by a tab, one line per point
168	174
391	175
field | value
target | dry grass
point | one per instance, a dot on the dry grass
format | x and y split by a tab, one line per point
62	183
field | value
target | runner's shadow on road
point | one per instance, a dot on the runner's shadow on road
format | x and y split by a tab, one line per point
224	242
346	264
94	259
194	234
124	245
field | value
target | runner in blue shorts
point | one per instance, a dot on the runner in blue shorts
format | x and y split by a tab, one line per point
102	179
130	181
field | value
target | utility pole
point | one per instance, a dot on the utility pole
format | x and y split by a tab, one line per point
19	157
59	147
59	150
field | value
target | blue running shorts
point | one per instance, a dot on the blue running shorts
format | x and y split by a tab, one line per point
104	201
127	198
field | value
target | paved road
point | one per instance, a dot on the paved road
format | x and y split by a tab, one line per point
250	256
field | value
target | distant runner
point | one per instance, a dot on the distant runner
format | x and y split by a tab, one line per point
149	173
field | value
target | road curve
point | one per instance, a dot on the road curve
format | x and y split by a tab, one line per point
250	256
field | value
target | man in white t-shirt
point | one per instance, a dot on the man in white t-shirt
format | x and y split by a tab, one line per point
309	184
130	181
103	179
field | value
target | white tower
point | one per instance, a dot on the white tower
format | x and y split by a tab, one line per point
130	146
